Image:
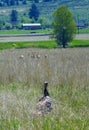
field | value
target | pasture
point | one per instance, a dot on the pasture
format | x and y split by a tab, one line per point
22	73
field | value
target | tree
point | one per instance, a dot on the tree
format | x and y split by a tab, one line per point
24	2
36	1
12	2
1	24
63	25
14	17
33	12
47	0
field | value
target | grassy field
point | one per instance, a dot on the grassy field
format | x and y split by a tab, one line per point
84	30
16	31
22	73
18	105
41	44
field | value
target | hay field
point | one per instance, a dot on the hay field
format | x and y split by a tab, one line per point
34	66
22	73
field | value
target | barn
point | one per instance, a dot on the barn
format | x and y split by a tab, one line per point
31	26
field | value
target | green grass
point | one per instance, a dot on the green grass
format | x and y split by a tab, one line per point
15	31
41	44
18	102
35	44
84	30
79	43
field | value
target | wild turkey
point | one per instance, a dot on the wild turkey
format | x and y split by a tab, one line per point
44	104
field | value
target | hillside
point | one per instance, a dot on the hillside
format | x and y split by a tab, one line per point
80	9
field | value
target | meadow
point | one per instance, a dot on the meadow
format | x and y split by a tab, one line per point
22	31
22	74
46	30
50	44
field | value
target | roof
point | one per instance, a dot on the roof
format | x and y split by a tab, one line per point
31	24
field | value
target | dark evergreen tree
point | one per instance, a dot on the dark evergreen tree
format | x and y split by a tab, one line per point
14	17
47	0
7	2
17	2
36	1
12	2
24	2
33	12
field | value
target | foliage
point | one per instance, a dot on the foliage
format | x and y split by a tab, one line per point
47	0
63	25
1	24
36	1
34	12
22	6
14	17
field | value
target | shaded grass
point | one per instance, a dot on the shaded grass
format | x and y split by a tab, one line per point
70	108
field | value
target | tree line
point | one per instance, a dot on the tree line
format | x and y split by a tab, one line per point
63	24
15	21
19	2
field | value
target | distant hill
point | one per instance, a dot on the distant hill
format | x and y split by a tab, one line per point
79	8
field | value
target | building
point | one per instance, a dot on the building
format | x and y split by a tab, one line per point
81	24
31	26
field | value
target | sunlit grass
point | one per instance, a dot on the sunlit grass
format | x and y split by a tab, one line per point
79	43
18	104
84	30
41	44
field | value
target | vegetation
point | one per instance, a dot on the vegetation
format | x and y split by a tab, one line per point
14	17
34	12
21	31
67	72
18	104
23	71
80	43
41	44
64	26
84	30
23	6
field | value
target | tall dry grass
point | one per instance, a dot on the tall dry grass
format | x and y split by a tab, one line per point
34	66
18	108
22	73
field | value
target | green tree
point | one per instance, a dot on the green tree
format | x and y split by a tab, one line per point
33	12
36	1
1	24
47	0
12	2
14	17
63	25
